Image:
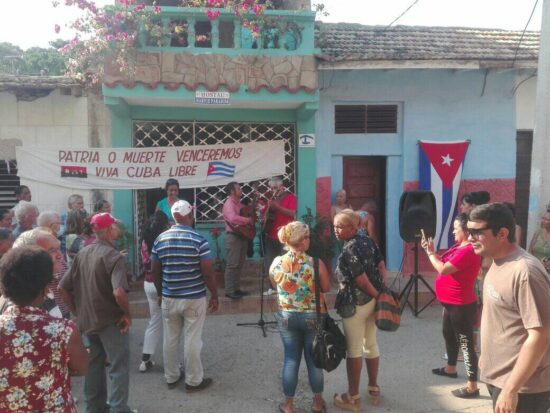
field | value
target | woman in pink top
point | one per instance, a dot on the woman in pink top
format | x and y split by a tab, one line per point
457	270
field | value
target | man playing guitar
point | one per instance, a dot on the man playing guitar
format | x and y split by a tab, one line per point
283	207
235	244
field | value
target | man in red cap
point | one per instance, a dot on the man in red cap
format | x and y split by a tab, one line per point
96	290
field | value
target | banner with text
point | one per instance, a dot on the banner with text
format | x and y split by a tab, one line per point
143	168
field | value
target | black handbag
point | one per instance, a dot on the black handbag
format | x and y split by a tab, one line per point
345	301
329	344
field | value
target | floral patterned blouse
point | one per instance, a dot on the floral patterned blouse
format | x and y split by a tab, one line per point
294	275
360	255
34	362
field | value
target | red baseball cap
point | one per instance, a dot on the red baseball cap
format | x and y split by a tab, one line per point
102	221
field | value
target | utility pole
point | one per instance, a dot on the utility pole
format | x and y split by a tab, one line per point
539	193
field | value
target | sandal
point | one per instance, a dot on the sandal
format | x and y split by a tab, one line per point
441	372
347	402
282	408
323	408
374	395
464	393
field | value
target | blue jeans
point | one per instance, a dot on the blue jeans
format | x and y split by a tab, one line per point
108	344
297	332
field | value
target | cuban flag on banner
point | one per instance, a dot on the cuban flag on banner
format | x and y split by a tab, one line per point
218	168
441	166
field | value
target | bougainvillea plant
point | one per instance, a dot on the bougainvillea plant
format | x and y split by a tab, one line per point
112	32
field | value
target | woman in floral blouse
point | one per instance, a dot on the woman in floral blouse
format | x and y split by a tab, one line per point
293	276
360	269
38	352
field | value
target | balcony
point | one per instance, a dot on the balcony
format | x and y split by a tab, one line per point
282	32
183	51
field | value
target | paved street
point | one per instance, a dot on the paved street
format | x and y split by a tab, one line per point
246	369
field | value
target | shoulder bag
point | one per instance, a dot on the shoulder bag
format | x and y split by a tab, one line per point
387	311
329	344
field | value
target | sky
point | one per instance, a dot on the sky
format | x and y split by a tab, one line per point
28	23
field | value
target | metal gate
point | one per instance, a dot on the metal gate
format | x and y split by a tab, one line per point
209	200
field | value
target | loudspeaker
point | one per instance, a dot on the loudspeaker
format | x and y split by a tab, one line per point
417	211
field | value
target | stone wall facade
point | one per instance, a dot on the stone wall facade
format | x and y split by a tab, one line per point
173	70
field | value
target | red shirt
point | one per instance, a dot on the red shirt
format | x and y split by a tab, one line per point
458	288
288	202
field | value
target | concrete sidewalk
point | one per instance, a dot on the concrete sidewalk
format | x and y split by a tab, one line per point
246	368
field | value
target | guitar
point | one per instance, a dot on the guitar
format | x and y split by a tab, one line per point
247	231
269	213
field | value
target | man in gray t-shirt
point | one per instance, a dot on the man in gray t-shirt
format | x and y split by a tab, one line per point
96	288
515	324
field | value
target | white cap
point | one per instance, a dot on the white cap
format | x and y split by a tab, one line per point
181	207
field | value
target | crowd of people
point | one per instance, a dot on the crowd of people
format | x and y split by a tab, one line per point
58	267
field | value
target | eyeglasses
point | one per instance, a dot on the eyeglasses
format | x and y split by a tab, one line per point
476	232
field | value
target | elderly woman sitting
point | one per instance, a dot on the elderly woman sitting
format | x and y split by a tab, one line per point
39	352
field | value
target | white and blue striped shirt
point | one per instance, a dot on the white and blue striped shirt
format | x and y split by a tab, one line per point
180	251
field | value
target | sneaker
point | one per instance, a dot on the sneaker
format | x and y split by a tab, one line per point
203	385
146	365
270	291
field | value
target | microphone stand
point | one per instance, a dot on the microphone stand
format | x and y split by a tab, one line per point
261	322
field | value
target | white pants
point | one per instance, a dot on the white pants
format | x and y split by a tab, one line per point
153	334
189	315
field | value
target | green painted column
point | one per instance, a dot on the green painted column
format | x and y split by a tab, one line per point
307	162
121	137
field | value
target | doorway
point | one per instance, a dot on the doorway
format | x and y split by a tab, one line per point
524	147
364	179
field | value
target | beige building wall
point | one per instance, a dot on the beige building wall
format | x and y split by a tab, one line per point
60	121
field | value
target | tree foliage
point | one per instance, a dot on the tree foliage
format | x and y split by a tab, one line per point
33	61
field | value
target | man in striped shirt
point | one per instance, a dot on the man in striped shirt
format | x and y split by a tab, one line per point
182	270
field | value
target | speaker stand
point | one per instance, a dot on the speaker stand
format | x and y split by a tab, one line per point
412	286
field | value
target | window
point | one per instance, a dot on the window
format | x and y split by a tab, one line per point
365	119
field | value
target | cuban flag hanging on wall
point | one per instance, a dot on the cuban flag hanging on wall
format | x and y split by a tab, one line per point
440	171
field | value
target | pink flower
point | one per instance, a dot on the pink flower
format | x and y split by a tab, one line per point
212	14
157	9
57	28
215	232
258	9
140	7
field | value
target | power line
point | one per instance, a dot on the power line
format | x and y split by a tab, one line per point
405	12
523	34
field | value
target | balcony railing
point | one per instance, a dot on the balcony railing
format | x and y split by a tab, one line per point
281	32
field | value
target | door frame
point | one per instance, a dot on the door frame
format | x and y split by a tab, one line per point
381	198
